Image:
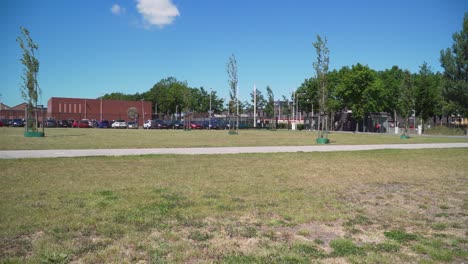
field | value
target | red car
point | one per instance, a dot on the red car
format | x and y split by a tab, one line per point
83	124
1	123
195	125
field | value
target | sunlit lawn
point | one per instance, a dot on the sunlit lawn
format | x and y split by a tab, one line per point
80	138
388	206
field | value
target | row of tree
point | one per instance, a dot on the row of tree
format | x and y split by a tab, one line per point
364	90
357	88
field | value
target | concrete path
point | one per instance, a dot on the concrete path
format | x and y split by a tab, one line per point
18	154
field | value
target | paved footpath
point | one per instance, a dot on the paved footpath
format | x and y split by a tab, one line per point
18	154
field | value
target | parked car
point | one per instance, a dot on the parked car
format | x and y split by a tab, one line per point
51	123
64	123
76	123
1	123
132	124
84	123
6	122
159	124
119	124
176	124
93	123
104	124
147	124
218	124
195	125
17	122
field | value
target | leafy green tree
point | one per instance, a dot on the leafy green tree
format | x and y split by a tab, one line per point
30	89
169	94
270	105
361	91
119	96
261	102
334	102
285	106
392	84
455	63
309	95
427	92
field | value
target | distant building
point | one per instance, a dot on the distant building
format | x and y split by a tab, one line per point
18	111
81	108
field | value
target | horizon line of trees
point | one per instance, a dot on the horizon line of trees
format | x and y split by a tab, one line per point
357	88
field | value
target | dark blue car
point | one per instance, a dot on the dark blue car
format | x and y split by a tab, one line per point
104	124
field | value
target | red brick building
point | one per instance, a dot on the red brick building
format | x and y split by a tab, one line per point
18	111
80	108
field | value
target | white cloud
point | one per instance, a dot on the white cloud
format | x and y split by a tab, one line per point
117	10
157	12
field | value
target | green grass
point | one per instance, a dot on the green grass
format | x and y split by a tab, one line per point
255	208
443	130
80	138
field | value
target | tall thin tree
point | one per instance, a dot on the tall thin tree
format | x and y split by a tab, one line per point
231	68
321	70
30	89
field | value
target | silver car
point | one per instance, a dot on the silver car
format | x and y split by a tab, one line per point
132	124
119	124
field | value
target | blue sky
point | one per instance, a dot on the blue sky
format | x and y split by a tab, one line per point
91	47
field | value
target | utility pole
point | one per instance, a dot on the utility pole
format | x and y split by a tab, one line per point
237	106
143	112
209	120
255	105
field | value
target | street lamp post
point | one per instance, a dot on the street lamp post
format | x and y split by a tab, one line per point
294	107
176	111
209	120
142	112
100	116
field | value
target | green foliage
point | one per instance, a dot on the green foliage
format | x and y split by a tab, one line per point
427	92
261	102
345	247
435	249
54	257
309	95
454	60
400	236
270	105
361	90
170	95
30	88
392	80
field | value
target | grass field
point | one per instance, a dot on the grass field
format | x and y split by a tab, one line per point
76	138
388	206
